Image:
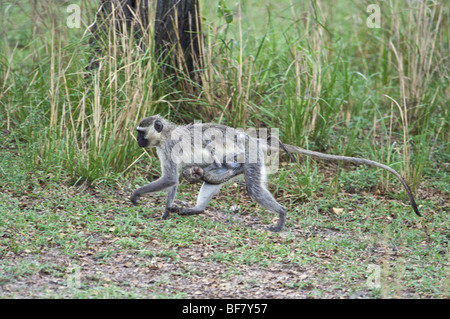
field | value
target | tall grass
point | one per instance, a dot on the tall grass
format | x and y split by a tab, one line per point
312	68
87	114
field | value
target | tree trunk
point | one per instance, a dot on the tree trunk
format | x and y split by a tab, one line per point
178	37
132	13
125	16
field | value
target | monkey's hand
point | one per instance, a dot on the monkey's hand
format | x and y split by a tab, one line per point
134	199
190	211
171	209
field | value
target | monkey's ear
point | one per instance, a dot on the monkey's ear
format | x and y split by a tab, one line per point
158	126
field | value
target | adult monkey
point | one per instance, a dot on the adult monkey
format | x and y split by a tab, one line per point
167	137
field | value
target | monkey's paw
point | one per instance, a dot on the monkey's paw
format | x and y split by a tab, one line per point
165	215
190	211
275	229
173	209
134	199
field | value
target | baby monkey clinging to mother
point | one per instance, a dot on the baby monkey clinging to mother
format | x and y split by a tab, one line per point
217	163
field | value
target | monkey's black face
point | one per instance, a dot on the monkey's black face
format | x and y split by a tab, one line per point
149	132
141	140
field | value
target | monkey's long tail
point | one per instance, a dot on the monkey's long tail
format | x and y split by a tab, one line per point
357	161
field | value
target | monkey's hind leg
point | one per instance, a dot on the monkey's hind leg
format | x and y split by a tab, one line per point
207	191
258	192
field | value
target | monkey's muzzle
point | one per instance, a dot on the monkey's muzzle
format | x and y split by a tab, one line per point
141	140
193	174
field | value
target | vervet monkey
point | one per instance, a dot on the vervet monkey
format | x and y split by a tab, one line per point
212	174
215	174
173	142
218	173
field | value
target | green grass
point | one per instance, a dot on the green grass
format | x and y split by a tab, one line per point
338	247
315	70
47	227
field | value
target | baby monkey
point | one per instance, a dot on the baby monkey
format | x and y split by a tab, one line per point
212	174
220	174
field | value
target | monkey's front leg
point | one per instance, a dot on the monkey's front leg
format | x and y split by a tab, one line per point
171	192
158	185
207	191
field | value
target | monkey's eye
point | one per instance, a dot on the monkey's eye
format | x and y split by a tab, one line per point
158	126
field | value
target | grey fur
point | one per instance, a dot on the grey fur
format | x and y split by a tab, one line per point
164	142
214	175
